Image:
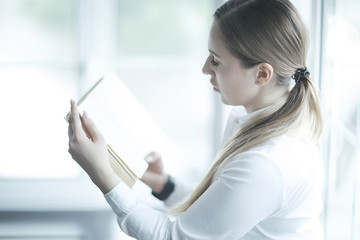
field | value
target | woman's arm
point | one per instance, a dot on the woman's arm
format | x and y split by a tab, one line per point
248	190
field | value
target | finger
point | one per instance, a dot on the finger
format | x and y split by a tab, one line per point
82	118
70	132
75	122
155	162
90	127
152	157
73	154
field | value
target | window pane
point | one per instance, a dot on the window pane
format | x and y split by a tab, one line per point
344	59
169	27
37	31
34	132
340	210
39	76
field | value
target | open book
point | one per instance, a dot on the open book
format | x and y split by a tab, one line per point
128	129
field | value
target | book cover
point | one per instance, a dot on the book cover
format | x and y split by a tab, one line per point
129	130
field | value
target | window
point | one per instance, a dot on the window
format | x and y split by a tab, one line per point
341	99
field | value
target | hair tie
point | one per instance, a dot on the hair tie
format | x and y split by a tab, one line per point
300	74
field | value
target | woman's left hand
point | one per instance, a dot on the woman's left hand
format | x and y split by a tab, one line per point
87	147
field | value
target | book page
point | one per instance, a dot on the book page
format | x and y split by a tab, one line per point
128	129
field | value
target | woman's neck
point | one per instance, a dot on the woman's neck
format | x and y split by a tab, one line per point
267	98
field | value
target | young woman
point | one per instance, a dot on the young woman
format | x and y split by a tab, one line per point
266	182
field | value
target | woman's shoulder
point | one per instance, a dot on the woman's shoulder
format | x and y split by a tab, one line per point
285	147
288	156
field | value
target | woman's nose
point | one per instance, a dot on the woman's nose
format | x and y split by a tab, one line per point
206	68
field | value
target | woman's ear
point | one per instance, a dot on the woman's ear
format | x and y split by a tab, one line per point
264	74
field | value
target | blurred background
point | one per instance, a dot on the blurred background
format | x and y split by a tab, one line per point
52	51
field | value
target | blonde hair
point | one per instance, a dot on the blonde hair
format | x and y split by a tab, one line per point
270	31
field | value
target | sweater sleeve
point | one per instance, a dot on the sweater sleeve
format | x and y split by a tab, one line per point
246	191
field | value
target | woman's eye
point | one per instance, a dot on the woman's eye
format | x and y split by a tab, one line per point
213	62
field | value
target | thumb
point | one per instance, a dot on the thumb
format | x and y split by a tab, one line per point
152	157
90	128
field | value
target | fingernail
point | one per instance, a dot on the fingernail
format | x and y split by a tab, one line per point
149	159
71	101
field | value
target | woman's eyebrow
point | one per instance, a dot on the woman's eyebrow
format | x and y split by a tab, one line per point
212	52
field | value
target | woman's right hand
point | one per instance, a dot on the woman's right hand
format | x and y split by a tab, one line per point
154	176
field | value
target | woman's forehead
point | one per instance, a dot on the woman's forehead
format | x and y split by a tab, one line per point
215	43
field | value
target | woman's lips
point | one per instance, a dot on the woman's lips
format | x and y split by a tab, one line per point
212	81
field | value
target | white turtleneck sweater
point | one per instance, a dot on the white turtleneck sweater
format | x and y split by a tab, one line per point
272	191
